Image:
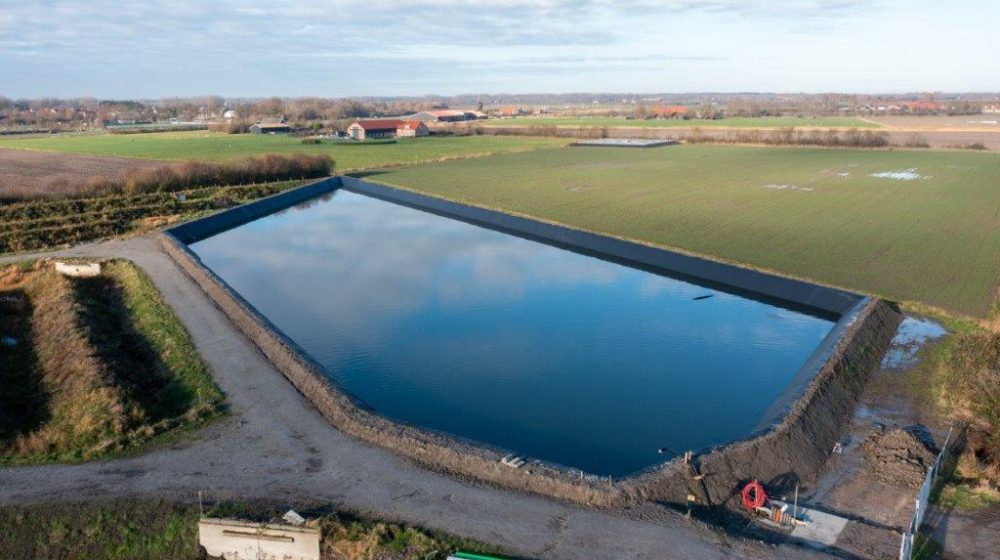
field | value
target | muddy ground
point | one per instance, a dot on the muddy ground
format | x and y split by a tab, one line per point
26	173
875	479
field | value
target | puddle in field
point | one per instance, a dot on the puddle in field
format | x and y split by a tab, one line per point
904	175
787	187
912	334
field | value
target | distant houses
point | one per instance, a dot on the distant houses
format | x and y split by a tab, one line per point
448	115
365	129
668	111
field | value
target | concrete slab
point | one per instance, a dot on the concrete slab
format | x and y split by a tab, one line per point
820	530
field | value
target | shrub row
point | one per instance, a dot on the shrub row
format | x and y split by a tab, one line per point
255	169
852	138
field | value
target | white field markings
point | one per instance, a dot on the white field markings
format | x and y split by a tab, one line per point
910	174
779	187
823	174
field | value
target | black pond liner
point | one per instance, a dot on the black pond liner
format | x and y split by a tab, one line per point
832	304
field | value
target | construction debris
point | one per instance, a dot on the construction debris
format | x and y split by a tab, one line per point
513	461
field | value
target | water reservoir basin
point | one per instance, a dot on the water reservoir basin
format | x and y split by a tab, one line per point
512	342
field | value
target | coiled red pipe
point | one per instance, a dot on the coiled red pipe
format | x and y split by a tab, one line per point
753	495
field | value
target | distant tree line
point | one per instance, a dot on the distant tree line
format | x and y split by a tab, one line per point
852	138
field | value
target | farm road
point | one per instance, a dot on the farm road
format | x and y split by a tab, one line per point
275	445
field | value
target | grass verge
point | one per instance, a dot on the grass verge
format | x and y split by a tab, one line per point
161	530
105	365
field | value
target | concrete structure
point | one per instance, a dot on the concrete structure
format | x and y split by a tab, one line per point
364	129
74	270
626	142
234	539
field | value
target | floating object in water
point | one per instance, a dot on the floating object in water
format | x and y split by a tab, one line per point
8	341
663	450
706	296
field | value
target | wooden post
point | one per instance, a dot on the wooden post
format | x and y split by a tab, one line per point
795	507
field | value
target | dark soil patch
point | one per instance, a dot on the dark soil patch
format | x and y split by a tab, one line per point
900	456
27	174
23	400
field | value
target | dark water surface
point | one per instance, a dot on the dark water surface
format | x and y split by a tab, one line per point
511	342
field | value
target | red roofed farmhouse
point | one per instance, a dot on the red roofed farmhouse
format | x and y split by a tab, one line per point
363	129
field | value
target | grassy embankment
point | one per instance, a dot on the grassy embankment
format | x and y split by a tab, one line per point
93	368
959	378
736	122
209	146
157	530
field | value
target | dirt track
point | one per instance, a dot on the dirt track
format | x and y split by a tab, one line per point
274	444
29	173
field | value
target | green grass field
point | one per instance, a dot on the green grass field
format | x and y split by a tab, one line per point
736	122
208	146
812	213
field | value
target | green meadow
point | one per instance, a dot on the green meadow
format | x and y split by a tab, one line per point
210	146
908	225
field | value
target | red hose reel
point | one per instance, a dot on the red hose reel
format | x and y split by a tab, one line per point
753	495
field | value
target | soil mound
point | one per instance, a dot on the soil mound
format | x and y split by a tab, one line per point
900	456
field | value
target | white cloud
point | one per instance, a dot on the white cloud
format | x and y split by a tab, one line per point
383	47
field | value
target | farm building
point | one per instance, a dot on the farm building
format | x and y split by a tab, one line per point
363	129
270	128
509	111
441	115
412	128
448	115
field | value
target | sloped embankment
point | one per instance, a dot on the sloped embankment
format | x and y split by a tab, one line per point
92	367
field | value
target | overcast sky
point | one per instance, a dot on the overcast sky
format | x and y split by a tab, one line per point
333	48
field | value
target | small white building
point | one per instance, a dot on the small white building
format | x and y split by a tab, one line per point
233	539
